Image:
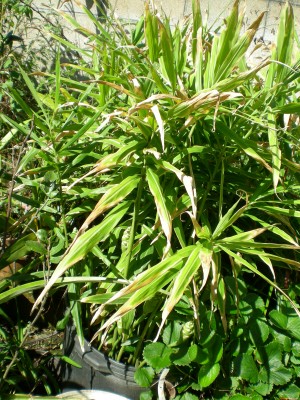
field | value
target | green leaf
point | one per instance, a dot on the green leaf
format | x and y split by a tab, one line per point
187	396
148	395
278	375
211	352
167	52
157	355
33	245
162	210
289	212
193	352
18	250
293	327
289	108
197	23
274	148
259	331
244	236
242	261
9	294
245	368
144	376
273	353
208	374
84	244
70	361
278	319
147	284
296	348
181	356
181	282
112	197
285	40
34	92
292	391
115	159
237	50
86	126
172	333
151	33
228	219
263	388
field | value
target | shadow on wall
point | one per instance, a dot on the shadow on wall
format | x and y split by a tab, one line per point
101	6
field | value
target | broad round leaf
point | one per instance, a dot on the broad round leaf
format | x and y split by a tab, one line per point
157	355
207	374
144	376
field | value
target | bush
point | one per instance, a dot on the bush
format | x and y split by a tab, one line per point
162	186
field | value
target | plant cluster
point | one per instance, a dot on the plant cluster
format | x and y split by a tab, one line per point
157	189
23	46
258	358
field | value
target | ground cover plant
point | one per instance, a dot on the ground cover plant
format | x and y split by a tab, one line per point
25	357
162	189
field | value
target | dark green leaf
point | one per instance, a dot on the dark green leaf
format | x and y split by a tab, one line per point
172	333
157	355
207	374
144	376
17	250
245	368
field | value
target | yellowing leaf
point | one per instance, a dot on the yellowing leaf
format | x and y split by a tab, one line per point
160	124
83	245
162	210
181	282
275	150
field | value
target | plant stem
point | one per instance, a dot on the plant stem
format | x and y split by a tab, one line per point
146	330
134	224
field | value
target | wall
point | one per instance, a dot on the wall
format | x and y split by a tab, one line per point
176	10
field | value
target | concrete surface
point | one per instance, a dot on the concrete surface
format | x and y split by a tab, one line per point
212	11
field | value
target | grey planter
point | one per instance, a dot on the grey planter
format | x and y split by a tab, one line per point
97	372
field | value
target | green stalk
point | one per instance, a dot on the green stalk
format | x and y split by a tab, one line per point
115	341
208	189
135	357
221	189
133	225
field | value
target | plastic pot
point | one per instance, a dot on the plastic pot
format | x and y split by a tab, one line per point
98	371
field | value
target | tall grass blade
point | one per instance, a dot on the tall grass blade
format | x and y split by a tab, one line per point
83	245
148	283
162	210
274	148
112	197
151	33
197	23
167	57
181	283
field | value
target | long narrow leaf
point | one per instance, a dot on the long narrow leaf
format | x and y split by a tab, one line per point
275	150
162	210
83	245
181	282
112	197
228	219
244	262
148	283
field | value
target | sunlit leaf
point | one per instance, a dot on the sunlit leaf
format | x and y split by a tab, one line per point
162	210
83	245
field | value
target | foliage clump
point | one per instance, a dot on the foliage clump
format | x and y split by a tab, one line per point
159	188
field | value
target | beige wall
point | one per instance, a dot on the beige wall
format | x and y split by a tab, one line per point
177	9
